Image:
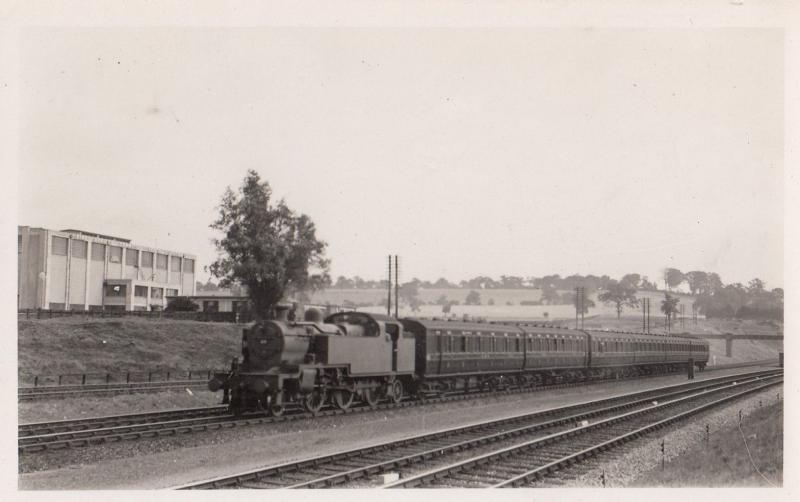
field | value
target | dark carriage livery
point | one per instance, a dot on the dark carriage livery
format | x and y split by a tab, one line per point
371	357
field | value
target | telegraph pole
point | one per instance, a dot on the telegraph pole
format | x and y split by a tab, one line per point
583	303
579	305
396	288
389	300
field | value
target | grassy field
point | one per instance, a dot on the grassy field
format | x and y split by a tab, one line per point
725	462
61	346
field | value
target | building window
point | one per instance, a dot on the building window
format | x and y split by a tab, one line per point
19	244
79	249
210	306
115	289
140	291
172	292
115	254
157	293
132	257
59	246
176	264
188	265
147	259
161	261
98	252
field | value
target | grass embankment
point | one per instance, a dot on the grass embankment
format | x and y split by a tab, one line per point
725	462
62	346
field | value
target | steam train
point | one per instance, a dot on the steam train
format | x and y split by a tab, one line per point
367	358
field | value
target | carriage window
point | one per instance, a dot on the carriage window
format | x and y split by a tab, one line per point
516	345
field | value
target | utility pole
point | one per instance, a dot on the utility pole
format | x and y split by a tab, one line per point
389	300
576	308
583	304
644	315
396	288
579	305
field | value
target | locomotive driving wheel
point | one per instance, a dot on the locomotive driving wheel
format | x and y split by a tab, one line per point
314	400
397	391
343	398
276	410
370	396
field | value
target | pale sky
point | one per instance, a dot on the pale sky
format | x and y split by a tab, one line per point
467	151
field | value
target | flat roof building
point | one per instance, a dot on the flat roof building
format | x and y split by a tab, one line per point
78	270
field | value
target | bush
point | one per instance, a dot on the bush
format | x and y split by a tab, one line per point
182	304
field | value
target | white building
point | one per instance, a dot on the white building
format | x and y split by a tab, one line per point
77	270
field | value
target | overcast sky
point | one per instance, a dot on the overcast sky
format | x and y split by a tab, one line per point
465	151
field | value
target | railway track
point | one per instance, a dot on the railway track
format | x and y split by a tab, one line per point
473	447
51	392
103	430
82	424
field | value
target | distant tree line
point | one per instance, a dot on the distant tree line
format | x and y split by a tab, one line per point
555	281
713	298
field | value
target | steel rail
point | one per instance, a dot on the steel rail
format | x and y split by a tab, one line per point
625	438
80	424
58	435
332	478
49	392
558	437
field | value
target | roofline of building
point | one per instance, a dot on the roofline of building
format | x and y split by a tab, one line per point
111	241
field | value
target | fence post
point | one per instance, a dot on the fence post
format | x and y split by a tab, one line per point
59	379
209	375
149	376
108	377
190	375
36	381
167	376
83	379
127	377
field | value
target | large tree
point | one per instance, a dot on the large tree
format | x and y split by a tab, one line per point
266	246
669	306
698	281
673	277
620	294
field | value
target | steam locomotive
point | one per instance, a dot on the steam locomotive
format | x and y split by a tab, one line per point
352	357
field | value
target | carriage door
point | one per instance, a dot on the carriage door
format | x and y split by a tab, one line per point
393	330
